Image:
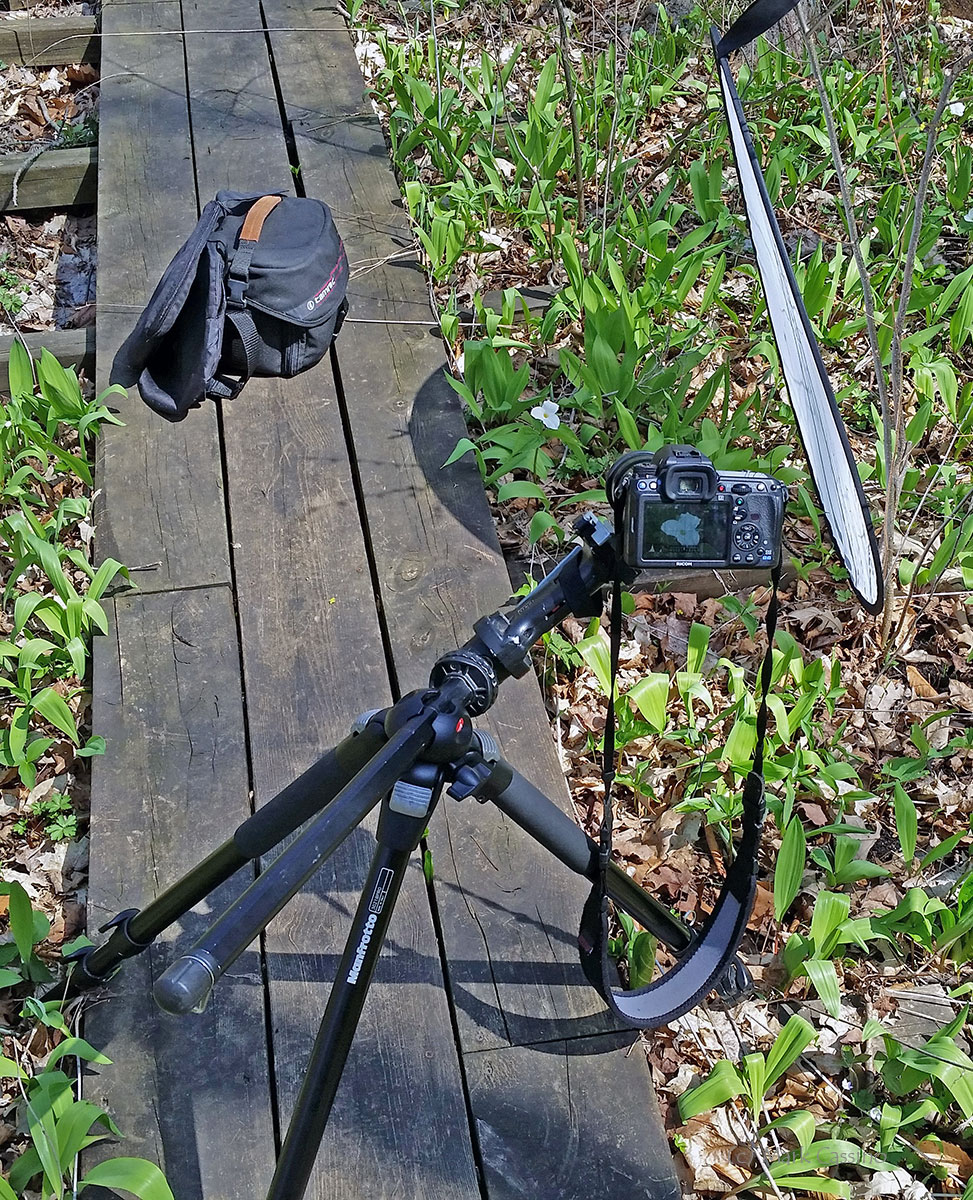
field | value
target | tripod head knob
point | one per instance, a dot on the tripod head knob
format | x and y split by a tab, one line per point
475	671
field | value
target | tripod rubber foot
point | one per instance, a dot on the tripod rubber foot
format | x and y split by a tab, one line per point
185	987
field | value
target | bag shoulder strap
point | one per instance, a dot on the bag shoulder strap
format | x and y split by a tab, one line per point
239	272
224	387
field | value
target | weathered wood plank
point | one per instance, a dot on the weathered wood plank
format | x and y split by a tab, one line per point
560	1112
55	179
71	348
50	41
509	913
190	1094
313	658
162	505
438	556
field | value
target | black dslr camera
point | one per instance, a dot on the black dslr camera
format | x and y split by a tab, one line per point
679	511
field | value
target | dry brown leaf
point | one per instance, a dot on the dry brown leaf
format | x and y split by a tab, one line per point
920	684
763	906
953	1158
714	1153
961	695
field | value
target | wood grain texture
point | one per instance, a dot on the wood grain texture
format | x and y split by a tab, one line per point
55	179
71	348
162	506
439	567
50	41
509	912
313	659
561	1113
191	1094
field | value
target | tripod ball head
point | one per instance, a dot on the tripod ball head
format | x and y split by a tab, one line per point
451	728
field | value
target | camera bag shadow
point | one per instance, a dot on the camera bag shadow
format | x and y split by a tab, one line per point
257	289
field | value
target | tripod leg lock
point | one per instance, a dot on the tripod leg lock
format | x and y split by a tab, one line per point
94	965
122	935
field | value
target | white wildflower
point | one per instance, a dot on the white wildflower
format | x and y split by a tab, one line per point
957	108
546	413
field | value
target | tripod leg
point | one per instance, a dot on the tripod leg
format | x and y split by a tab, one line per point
398	837
185	986
133	931
555	830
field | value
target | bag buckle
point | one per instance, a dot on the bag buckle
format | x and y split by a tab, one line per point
236	291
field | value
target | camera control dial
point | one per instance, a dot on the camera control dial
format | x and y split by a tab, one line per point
746	536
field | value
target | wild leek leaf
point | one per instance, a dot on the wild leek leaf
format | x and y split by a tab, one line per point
143	1179
789	870
789	1044
723	1083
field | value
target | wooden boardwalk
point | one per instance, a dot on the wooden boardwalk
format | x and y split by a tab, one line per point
301	557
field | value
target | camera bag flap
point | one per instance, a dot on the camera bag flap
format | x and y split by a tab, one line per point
257	289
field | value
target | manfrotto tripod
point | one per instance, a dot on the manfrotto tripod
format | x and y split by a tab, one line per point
402	758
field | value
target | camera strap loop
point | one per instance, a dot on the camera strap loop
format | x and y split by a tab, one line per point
707	958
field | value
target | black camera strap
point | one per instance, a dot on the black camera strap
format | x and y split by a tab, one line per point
709	955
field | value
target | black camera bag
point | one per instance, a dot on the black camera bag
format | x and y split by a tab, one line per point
257	289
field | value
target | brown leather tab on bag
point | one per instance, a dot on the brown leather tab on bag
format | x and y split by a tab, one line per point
258	213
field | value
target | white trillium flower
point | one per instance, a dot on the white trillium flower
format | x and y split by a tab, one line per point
546	413
957	108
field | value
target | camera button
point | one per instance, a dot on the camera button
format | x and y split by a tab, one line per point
741	489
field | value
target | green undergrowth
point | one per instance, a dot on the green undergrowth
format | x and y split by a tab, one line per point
603	180
52	596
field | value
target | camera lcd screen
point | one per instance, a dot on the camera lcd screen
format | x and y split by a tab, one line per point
684	532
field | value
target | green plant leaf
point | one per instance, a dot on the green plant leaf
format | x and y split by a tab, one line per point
651	696
74	1127
21	918
143	1179
830	912
802	1124
463	446
642	959
826	1155
19	373
906	822
805	1183
824	978
597	657
698	644
789	870
521	489
53	708
10	1070
76	1048
787	1048
946	846
723	1083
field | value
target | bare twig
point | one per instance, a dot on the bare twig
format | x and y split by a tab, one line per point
573	108
895	470
848	204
